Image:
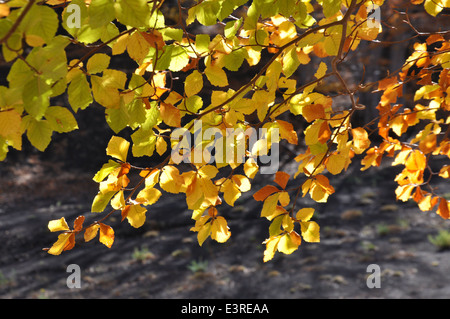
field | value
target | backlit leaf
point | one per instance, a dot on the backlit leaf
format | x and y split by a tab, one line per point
118	148
58	225
106	235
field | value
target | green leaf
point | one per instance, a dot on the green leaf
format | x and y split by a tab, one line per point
134	13
79	93
39	133
331	7
36	97
19	74
205	12
152	116
290	62
117	119
97	63
41	21
105	92
179	59
101	12
172	34
231	27
61	119
144	142
101	200
202	42
106	169
194	103
332	43
234	60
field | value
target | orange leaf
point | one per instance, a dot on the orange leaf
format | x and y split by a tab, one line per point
154	38
78	223
313	112
324	183
262	194
212	211
416	161
170	114
281	178
106	235
125	211
70	243
91	232
324	132
124	169
287	132
443	209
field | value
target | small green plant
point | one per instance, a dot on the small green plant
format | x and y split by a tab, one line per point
383	229
142	254
441	240
198	266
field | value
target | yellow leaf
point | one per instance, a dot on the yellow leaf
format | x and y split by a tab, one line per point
58	225
310	231
106	236
148	196
208	171
286	245
161	145
270	205
10	122
271	247
204	233
136	216
360	139
305	214
210	191
336	163
118	148
216	76
241	182
403	192
91	232
193	83
277	212
284	198
250	168
118	201
60	244
151	177
194	194
445	171
230	191
287	223
219	230
321	71
170	179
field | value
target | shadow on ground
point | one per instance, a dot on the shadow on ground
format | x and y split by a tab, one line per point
362	224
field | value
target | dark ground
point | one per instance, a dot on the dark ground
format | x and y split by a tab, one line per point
361	224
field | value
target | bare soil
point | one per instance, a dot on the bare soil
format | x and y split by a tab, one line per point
362	224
